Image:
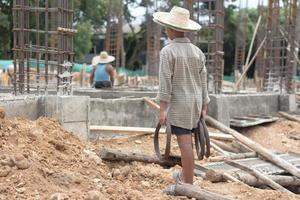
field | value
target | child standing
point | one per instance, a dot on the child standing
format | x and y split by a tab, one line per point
182	84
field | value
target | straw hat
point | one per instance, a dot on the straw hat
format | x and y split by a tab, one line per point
103	58
178	18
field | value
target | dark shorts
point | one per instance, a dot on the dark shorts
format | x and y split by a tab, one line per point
181	131
102	84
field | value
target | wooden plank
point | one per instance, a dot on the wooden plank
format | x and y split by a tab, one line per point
148	131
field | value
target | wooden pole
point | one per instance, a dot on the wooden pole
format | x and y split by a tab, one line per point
253	181
226	147
252	41
193	191
233	156
127	130
151	103
265	153
288	116
118	155
218	149
247	66
258	175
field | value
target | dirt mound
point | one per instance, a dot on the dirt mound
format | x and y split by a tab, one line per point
41	160
2	113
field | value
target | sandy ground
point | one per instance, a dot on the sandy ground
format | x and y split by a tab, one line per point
40	160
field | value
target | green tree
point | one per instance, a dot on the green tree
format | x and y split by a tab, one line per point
5	29
82	40
230	26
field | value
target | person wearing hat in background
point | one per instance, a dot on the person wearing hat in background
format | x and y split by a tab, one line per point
103	73
182	91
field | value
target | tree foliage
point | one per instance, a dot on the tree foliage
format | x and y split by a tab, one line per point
5	29
82	40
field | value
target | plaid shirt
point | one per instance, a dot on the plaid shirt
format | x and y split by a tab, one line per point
183	82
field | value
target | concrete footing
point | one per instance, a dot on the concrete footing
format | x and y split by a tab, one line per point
76	113
71	111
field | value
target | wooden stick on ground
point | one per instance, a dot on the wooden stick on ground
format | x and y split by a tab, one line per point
265	153
226	147
218	149
217	176
148	131
240	146
258	175
233	156
253	181
118	155
288	116
196	192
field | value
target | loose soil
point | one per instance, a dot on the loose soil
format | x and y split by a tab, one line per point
41	160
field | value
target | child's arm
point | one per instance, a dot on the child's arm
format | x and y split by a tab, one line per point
165	84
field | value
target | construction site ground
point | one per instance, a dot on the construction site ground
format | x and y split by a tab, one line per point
40	160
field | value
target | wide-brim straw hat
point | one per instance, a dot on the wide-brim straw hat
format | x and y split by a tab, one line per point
103	58
178	19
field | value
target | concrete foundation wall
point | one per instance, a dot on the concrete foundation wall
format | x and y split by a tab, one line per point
114	94
76	113
24	107
71	111
122	112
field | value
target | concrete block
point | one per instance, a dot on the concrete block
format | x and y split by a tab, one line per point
247	104
218	108
122	112
288	103
71	111
24	107
79	129
67	108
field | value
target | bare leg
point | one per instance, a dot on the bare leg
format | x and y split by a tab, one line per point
187	157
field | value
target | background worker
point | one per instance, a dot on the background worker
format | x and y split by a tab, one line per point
102	74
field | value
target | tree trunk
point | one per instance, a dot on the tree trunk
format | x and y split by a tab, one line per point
265	153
